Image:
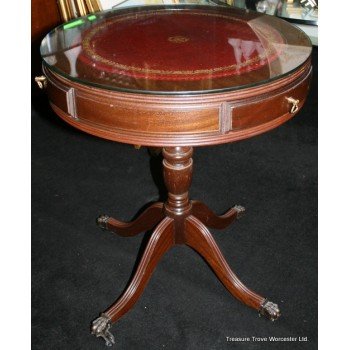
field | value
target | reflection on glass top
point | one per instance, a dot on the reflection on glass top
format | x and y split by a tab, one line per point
295	12
175	49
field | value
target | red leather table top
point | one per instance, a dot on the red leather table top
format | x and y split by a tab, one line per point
178	45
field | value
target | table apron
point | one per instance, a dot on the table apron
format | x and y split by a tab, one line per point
177	120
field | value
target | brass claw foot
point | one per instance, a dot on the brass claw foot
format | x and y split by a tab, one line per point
240	210
270	310
102	221
100	328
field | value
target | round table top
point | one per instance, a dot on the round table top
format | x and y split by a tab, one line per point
175	50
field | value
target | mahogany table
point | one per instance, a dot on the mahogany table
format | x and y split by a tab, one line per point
176	77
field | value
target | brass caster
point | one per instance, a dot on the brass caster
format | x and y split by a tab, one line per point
102	221
270	310
240	210
100	328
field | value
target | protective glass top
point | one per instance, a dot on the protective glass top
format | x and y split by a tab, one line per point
175	49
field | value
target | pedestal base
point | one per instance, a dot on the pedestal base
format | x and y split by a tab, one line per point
177	221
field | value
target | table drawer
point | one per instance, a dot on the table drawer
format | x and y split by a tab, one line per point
267	108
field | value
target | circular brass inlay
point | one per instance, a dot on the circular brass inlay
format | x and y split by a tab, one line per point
178	39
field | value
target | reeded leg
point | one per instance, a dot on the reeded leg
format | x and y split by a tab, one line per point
210	219
149	218
200	239
160	241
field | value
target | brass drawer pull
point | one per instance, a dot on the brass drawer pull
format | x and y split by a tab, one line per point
295	104
41	81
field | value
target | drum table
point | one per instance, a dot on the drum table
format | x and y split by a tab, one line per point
175	77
